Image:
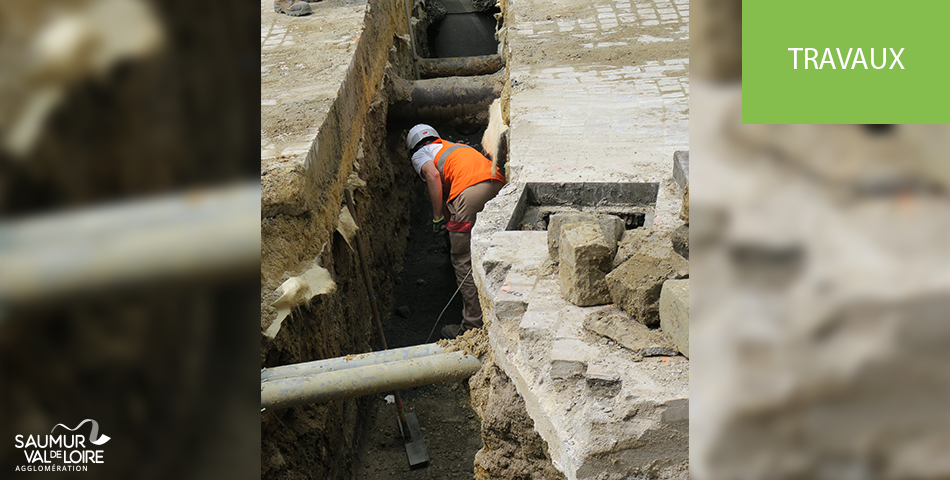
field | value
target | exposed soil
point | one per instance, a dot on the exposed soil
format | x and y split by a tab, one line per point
444	410
513	448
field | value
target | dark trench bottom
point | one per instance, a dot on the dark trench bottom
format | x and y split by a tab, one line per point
464	35
450	426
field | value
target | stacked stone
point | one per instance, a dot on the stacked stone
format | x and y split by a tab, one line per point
645	271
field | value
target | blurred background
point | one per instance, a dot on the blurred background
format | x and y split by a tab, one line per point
129	233
820	296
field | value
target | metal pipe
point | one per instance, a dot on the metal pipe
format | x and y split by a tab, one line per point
367	380
350	361
460	66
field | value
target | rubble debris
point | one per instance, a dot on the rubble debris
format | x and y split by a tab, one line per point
635	285
620	327
656	352
681	168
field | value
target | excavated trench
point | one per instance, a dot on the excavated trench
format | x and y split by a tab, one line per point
459	45
422	289
457	73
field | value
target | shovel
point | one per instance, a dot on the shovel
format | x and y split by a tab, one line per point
408	423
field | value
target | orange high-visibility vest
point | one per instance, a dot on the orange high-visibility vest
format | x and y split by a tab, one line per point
461	166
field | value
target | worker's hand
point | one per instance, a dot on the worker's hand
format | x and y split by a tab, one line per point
438	225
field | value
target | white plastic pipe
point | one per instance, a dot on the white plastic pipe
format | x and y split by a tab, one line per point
349	361
191	233
367	380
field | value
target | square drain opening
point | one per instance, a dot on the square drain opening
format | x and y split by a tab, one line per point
634	203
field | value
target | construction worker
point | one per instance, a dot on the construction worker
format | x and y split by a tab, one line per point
462	177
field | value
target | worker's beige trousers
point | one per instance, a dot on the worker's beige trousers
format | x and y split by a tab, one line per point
463	208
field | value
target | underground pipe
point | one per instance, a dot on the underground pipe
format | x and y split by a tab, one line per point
349	361
447	100
183	235
367	380
460	66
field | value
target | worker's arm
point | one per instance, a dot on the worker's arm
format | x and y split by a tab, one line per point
434	184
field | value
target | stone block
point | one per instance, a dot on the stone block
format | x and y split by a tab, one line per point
603	381
585	260
635	285
511	300
629	243
536	324
568	359
681	168
674	313
620	327
611	225
684	210
680	240
676	410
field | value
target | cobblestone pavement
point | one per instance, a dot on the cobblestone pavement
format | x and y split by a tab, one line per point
600	94
303	62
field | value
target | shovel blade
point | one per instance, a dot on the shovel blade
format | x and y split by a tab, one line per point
416	448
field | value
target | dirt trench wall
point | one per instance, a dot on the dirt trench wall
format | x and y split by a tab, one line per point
512	450
300	209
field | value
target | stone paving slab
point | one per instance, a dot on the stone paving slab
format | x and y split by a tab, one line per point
599	120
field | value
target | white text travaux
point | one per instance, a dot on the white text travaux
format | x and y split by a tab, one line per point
811	55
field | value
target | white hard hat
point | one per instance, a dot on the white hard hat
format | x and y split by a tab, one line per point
419	133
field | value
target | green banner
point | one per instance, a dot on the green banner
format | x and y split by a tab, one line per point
845	61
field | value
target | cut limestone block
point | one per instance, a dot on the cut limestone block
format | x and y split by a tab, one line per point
568	359
602	380
620	327
629	244
684	211
511	300
680	238
536	324
635	285
612	226
585	260
681	168
674	313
